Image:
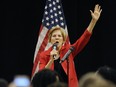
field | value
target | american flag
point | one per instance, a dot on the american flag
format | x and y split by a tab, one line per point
53	16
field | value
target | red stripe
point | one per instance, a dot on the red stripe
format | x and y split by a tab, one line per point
44	43
42	48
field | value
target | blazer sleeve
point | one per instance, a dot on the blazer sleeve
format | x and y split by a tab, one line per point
42	61
81	42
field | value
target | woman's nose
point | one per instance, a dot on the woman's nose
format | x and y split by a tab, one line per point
57	37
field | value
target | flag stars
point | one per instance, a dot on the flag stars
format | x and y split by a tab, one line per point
47	24
54	8
49	0
60	12
62	24
55	14
46	12
59	6
61	18
52	22
57	1
54	3
45	7
51	11
56	20
50	5
51	16
42	20
47	18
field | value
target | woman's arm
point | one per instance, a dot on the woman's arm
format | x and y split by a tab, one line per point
95	16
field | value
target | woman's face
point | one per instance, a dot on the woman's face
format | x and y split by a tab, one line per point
57	37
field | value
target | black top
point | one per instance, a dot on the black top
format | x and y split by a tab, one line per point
58	68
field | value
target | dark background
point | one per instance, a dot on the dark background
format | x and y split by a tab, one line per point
20	21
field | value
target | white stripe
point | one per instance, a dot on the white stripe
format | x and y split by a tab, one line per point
36	70
40	40
48	46
66	30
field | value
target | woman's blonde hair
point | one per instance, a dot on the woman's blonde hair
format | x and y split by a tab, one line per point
57	28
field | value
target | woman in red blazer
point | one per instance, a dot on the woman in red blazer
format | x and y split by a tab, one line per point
51	57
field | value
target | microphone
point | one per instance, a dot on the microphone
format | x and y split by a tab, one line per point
55	48
71	49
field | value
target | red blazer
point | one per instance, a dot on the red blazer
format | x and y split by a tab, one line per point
44	57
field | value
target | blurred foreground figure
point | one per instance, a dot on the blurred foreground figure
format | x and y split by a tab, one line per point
44	78
20	81
58	84
3	83
107	73
92	79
